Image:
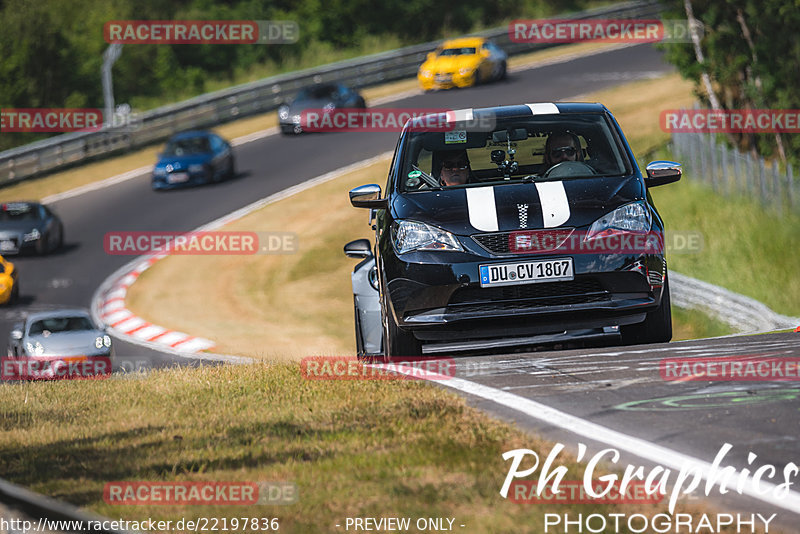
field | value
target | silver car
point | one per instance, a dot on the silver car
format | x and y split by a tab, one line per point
58	344
366	301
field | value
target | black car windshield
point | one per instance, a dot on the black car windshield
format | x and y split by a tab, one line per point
493	151
54	325
467	50
188	146
18	212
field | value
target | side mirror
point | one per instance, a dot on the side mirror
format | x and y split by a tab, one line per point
16	334
662	172
360	248
368	196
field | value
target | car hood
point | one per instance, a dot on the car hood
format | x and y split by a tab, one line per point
68	343
452	63
568	203
19	226
183	162
317	103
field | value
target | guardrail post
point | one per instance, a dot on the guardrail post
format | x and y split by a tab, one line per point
736	170
790	184
724	160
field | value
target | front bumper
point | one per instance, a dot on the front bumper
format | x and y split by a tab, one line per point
444	302
446	81
194	178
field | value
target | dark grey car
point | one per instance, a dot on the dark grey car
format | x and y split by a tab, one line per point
328	96
29	226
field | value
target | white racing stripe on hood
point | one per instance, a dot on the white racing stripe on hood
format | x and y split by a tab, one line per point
482	208
555	206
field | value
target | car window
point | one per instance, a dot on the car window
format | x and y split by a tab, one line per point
55	325
216	143
187	146
427	151
19	211
468	50
317	93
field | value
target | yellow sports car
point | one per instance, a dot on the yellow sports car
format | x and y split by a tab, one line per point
462	63
9	287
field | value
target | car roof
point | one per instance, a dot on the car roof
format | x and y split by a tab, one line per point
190	134
464	42
67	312
522	110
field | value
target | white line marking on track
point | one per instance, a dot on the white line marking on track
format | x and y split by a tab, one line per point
592	431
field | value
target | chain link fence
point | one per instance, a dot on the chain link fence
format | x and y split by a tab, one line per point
730	172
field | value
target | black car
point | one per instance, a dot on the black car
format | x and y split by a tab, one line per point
552	237
29	226
324	96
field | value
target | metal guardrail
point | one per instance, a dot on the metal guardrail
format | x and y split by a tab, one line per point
253	98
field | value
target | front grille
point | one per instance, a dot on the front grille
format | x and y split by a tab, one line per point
571	292
523	241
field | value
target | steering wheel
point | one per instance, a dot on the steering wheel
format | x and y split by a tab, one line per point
568	169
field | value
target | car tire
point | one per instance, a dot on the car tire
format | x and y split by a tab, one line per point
231	172
478	79
503	71
14	293
657	326
397	343
59	240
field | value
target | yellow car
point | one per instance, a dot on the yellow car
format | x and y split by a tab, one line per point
9	287
462	63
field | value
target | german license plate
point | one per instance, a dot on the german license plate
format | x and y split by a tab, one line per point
178	177
526	272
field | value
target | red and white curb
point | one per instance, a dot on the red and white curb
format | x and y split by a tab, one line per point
108	302
125	323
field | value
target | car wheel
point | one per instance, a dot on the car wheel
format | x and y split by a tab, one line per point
397	343
14	294
657	326
503	71
43	245
59	242
477	77
231	172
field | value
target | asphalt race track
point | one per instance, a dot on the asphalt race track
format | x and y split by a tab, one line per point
619	387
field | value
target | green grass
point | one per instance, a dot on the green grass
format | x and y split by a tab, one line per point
354	448
747	248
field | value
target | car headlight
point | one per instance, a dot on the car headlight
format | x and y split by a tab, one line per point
35	348
463	71
196	167
2	287
33	235
425	73
411	235
107	341
158	171
283	112
631	218
330	106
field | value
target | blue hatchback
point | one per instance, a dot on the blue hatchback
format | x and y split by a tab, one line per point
191	158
